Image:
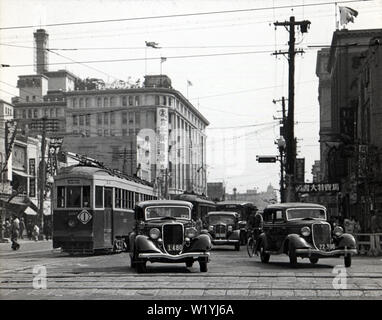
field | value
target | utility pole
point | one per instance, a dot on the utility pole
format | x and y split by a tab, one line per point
290	148
42	181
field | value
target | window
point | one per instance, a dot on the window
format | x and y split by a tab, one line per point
112	132
137	118
60	197
73	197
86	196
157	100
164	100
35	113
169	101
99	118
34	98
130	100
106	132
46	112
99	132
124	101
105	102
52	113
87	119
81	102
112	118
75	120
99	197
112	101
24	114
117	197
124	117
99	102
131	117
124	132
81	120
74	103
278	215
106	118
137	100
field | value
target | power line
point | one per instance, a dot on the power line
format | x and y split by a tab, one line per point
178	15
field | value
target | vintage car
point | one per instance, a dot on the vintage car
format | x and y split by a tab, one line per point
165	232
302	230
223	226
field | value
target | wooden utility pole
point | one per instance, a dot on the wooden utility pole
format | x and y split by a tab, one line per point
290	148
42	172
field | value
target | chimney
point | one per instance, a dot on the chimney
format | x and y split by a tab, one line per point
41	54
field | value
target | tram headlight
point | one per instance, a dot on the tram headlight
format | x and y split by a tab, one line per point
230	228
338	231
72	223
191	233
154	233
305	231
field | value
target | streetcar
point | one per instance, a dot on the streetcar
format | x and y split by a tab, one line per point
201	206
93	210
244	209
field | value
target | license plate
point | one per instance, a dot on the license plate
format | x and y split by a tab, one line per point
174	247
326	247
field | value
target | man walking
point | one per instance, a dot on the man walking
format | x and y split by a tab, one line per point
15	231
22	228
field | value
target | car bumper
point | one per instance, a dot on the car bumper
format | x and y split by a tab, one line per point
307	252
224	241
165	257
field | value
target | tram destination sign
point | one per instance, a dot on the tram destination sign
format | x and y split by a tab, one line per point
317	187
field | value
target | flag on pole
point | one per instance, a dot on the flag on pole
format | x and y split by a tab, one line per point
347	15
189	83
162	59
152	44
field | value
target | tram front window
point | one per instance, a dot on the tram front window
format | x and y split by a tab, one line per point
73	197
86	196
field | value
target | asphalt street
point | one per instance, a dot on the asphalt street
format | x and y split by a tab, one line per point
231	275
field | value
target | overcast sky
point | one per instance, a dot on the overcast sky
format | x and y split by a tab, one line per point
234	92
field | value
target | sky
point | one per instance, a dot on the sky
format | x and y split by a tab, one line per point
227	56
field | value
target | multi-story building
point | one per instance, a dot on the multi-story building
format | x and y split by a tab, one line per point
121	127
350	116
151	131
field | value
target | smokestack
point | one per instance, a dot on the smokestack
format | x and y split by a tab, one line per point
41	54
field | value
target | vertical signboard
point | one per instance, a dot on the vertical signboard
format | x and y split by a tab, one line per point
32	179
300	170
162	139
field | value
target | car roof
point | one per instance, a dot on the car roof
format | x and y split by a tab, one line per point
288	205
222	212
144	204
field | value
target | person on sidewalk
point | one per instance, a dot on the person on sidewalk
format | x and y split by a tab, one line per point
15	231
36	232
22	228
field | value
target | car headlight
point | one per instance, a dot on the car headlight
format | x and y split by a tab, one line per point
338	231
210	228
72	223
229	228
191	232
154	233
305	231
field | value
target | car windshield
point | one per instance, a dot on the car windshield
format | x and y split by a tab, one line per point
226	219
306	213
168	212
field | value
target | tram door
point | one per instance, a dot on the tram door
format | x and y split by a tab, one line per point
108	214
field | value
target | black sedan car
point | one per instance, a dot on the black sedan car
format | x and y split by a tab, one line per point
302	230
165	232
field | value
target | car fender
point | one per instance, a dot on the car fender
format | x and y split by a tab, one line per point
145	244
296	240
346	240
200	243
132	242
235	235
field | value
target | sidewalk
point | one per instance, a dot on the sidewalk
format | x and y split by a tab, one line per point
26	246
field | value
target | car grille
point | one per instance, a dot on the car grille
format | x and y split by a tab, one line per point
321	235
173	238
220	231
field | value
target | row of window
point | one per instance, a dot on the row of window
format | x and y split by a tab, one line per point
106	101
79	197
38	113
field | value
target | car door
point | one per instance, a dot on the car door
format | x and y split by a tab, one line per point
267	227
108	215
279	228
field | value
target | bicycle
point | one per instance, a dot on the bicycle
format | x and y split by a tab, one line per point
251	244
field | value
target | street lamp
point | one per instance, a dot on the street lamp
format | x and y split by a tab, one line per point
281	144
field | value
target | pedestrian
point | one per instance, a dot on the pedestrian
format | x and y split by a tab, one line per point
199	224
22	228
349	225
36	232
15	231
7	231
29	230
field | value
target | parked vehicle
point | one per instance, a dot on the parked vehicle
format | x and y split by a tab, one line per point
165	232
93	210
244	209
302	230
223	226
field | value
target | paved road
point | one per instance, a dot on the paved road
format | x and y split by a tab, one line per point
231	275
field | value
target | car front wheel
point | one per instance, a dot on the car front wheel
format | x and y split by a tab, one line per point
264	256
203	266
347	260
313	260
292	255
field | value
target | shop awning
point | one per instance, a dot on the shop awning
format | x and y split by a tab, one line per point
21	173
30	211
